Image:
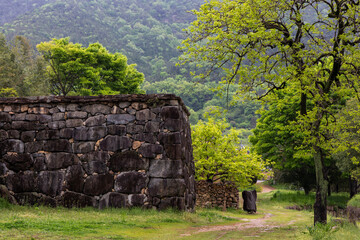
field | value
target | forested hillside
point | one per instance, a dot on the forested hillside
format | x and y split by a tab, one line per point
146	32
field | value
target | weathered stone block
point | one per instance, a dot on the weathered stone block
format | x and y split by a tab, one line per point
170	112
177	203
5	194
98	184
145	115
57	125
74	178
95	167
72	107
96	108
19	117
151	127
89	133
3	169
117	130
51	134
60	160
170	138
146	137
33	198
32	117
166	169
22	182
67	133
130	182
45	118
3	135
249	204
83	147
173	151
120	119
159	187
5	117
74	123
95	121
58	117
137	200
38	162
150	150
133	128
173	125
18	162
32	147
95	156
78	200
61	145
71	115
14	134
127	161
113	200
26	126
28	136
124	104
50	182
115	143
14	145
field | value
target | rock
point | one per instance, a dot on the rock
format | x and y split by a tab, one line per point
33	198
95	167
57	125
96	108
5	194
116	130
14	134
61	145
249	201
72	107
98	184
19	117
170	112
83	147
71	115
177	203
113	200
60	160
14	145
115	143
45	118
95	156
27	126
28	136
39	162
170	138
130	182
58	116
50	182
74	178
166	169
173	151
159	187
3	135
95	121
145	115
78	200
151	127
137	200
22	182
89	133
5	117
18	162
124	104
32	147
118	119
47	134
146	137
67	133
150	150
74	123
127	161
3	169
133	128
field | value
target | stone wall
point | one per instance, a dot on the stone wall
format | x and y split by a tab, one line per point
106	151
216	195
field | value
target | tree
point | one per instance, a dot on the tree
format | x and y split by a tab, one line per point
74	69
218	154
310	47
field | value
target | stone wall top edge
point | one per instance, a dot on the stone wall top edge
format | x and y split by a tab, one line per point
95	99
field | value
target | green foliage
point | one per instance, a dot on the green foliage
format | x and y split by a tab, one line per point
74	69
8	92
354	201
219	156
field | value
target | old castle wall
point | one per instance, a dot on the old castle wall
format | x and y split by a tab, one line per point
106	151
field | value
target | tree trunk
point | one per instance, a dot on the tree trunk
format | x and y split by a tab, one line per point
353	187
320	206
329	189
306	189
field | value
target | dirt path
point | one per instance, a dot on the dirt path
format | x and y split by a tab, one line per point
249	223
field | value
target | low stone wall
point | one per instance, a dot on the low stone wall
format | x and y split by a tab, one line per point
216	195
106	151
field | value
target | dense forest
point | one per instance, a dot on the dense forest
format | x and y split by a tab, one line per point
148	33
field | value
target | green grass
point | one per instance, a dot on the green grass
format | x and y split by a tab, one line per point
355	201
19	222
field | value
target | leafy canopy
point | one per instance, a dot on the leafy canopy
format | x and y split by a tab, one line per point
74	69
218	154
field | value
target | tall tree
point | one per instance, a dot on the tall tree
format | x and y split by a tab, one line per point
74	69
310	47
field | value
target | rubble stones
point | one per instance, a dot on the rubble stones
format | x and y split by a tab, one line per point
106	151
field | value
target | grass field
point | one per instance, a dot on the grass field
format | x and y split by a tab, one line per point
272	221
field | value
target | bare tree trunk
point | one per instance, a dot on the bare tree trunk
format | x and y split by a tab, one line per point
320	206
353	187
